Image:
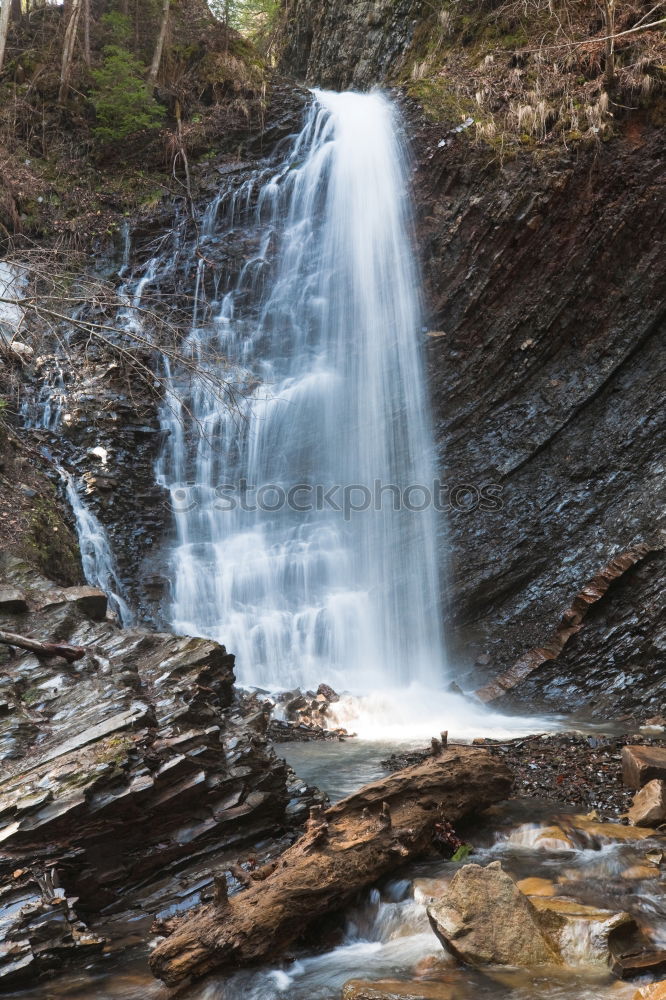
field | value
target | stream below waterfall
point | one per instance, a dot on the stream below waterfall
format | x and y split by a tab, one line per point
386	934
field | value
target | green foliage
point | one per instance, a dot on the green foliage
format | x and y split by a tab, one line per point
250	17
122	99
462	853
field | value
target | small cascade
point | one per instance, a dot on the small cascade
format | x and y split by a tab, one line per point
99	567
316	346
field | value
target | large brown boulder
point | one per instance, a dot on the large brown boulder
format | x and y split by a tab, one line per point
484	919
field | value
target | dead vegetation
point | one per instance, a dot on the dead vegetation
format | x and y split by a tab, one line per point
539	72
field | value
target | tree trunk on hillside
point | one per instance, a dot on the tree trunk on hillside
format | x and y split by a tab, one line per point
86	32
344	849
4	28
159	47
68	48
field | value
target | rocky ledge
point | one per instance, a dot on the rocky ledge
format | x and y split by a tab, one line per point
130	776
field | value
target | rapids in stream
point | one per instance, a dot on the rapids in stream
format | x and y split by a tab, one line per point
386	934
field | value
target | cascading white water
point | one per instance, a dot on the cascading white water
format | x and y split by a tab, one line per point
329	388
99	566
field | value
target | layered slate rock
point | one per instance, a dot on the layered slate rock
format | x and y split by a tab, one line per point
120	772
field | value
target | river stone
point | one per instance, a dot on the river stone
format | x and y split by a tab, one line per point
594	833
394	989
642	764
582	934
649	805
536	887
484	919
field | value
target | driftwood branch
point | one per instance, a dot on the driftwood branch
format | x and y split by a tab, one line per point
45	649
344	849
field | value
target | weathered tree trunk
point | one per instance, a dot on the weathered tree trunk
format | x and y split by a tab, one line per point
68	48
4	28
345	849
47	649
159	47
86	32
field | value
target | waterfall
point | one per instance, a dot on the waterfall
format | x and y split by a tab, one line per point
318	344
99	567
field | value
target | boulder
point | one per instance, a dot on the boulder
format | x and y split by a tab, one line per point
641	764
484	919
649	805
394	989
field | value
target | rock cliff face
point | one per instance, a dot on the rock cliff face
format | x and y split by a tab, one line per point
354	44
546	286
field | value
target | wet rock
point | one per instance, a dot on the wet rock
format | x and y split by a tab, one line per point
649	805
641	764
127	769
12	600
583	935
641	963
393	989
587	832
91	601
641	872
351	44
536	887
306	716
484	919
41	929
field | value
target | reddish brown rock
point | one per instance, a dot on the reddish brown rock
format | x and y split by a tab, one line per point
649	805
641	764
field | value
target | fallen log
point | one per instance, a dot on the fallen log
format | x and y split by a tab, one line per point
345	848
45	649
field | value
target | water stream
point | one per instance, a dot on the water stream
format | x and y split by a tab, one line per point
386	934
